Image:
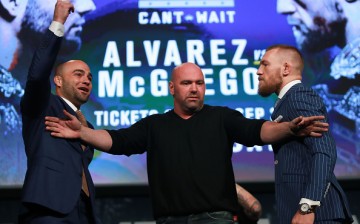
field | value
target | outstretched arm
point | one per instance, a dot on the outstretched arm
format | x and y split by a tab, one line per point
72	128
272	132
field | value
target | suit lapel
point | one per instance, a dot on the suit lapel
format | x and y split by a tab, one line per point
74	143
277	109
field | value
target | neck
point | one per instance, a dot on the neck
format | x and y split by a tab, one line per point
186	114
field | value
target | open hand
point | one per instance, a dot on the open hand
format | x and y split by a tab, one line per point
309	126
69	128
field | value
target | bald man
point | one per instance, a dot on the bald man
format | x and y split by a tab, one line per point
188	149
58	187
306	188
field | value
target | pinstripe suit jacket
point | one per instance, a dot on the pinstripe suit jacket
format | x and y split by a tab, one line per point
304	166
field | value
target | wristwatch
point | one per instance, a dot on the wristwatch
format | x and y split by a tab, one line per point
305	208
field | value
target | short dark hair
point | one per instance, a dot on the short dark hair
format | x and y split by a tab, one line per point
286	47
289	48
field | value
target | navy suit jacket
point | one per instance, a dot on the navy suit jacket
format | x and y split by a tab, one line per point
54	168
304	167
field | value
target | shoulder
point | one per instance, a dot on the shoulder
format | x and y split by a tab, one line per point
221	112
305	101
154	118
303	93
217	108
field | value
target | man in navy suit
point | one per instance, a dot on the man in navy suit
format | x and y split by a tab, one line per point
58	187
305	185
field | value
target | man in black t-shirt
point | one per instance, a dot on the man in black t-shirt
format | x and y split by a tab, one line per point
189	149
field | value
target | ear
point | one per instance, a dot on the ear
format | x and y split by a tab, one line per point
58	80
171	87
11	8
287	69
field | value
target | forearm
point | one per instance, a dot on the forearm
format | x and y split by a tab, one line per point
38	87
251	206
319	181
99	139
44	57
272	132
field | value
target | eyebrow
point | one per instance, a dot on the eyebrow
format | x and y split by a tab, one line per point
82	71
190	80
301	3
264	61
79	70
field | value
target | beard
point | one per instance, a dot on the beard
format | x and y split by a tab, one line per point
34	25
70	46
194	107
187	106
324	36
266	90
77	98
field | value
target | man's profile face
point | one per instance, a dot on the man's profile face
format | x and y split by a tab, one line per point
39	14
269	74
316	24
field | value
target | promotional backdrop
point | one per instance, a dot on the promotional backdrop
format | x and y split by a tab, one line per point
132	46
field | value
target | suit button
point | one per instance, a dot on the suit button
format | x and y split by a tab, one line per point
276	162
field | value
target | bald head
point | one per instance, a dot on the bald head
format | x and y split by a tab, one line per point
72	64
73	81
186	67
187	86
60	69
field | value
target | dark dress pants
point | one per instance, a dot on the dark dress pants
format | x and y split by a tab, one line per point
36	214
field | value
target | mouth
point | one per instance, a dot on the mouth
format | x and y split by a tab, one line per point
193	98
84	90
77	26
295	24
296	29
76	29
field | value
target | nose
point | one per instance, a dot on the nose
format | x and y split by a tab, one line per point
84	6
86	80
285	7
258	72
193	87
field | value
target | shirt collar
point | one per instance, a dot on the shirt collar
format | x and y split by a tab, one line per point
70	104
286	88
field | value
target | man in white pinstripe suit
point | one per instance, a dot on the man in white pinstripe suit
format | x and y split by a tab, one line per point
305	185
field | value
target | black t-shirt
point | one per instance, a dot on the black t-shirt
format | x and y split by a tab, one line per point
189	161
